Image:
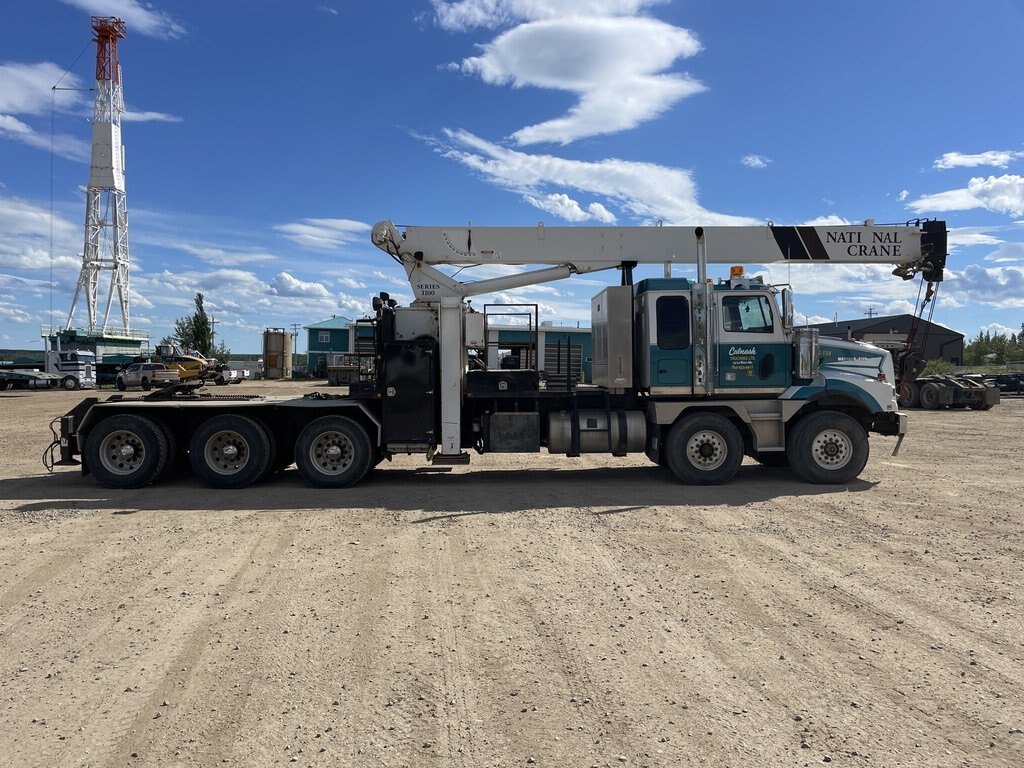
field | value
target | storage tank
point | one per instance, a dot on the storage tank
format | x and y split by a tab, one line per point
277	353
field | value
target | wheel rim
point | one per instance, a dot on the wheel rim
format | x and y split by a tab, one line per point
832	449
122	452
331	453
226	452
706	450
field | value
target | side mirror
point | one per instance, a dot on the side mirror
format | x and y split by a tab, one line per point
787	309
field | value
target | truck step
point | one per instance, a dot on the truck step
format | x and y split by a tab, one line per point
446	460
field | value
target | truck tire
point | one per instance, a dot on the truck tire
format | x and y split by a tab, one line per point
126	451
704	449
931	396
333	452
146	384
119	383
229	451
828	447
910	395
70	383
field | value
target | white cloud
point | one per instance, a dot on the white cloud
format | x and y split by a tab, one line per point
645	190
461	15
614	64
286	285
224	258
565	207
27	89
903	195
755	161
999	287
25	243
1000	194
149	117
324	234
998	329
138	17
968	236
1007	253
831	220
997	158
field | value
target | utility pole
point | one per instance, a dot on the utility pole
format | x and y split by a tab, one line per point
871	312
295	344
213	334
105	192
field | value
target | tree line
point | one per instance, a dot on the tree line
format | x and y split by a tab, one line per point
989	348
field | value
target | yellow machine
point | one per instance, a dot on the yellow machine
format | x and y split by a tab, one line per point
189	366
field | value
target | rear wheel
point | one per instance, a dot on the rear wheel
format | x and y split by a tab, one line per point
931	394
910	395
828	447
704	449
333	452
229	451
146	384
126	451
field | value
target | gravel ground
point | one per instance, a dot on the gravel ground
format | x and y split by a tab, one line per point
522	611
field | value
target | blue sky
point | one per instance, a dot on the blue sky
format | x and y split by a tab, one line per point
264	139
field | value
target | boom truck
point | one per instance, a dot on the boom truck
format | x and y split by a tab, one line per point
692	373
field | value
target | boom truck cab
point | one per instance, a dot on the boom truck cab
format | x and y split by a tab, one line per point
694	374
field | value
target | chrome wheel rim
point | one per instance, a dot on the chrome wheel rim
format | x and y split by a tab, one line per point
226	452
122	452
331	453
706	450
832	449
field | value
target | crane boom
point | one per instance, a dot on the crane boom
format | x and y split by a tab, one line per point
587	249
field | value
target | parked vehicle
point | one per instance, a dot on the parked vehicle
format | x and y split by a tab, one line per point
694	374
147	376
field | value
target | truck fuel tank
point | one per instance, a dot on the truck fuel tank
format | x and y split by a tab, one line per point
627	432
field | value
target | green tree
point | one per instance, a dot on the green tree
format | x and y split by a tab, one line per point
195	331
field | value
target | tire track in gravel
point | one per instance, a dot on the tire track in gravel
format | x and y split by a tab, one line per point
837	630
107	729
144	730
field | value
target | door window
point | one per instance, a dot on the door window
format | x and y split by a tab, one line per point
747	314
673	322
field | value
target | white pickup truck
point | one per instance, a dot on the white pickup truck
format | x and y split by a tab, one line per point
146	375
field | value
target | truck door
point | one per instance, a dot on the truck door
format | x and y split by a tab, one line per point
753	354
670	349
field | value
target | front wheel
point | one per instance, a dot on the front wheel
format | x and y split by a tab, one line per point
70	383
121	386
229	451
828	448
704	449
126	451
333	452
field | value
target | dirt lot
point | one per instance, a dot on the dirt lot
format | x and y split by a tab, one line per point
524	611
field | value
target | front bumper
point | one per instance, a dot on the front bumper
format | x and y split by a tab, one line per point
892	423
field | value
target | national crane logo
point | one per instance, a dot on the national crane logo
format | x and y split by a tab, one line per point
861	244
